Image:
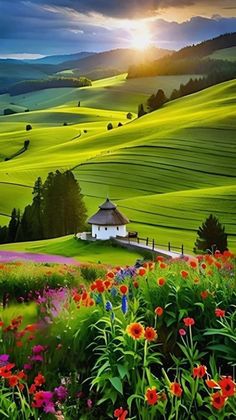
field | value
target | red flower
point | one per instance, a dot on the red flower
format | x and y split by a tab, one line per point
160	258
159	311
124	289
176	389
184	274
13	380
193	264
39	380
135	284
203	266
161	281
111	275
151	396
217	400
163	265
219	313
150	334
1	324
188	322
211	384
182	331
204	294
199	371
141	271
227	386
120	413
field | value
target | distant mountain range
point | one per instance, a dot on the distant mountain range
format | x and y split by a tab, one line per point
58	59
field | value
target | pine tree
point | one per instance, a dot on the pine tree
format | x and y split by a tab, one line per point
211	235
141	111
13	225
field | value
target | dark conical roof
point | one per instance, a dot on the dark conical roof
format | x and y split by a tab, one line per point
108	215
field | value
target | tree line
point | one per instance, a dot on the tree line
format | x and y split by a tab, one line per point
156	101
27	86
57	209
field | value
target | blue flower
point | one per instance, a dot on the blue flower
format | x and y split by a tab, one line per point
108	306
114	292
124	304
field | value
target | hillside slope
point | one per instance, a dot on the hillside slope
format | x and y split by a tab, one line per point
167	170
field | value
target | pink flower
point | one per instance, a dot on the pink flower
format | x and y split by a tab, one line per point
182	331
38	349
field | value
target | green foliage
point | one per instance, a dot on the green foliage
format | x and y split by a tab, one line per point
27	86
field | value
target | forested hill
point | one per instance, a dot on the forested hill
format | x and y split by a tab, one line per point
191	59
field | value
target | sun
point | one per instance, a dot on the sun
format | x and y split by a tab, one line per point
140	37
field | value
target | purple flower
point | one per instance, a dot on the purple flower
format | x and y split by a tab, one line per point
49	407
37	358
89	403
124	304
27	366
38	349
61	393
4	359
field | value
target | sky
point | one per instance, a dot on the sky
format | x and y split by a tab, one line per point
30	29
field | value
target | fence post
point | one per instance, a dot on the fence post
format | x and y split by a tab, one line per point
138	240
153	244
147	242
182	249
168	246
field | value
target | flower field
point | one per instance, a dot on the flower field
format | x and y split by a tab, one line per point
150	341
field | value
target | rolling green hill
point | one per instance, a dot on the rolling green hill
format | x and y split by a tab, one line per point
115	93
167	170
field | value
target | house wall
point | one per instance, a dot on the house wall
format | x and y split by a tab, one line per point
107	232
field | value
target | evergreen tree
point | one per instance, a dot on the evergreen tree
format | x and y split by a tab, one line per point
13	225
211	234
141	111
3	234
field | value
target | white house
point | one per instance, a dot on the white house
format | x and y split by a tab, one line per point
108	222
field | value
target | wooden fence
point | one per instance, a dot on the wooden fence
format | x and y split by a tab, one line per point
153	244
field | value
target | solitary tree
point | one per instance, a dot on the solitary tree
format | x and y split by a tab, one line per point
211	235
110	126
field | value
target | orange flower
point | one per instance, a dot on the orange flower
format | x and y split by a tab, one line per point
211	384
196	280
160	258
111	275
135	330
193	264
217	400
184	274
141	271
204	294
163	265
150	334
188	322
151	396
124	289
227	386
218	264
219	313
39	380
176	389
199	371
159	311
135	284
161	281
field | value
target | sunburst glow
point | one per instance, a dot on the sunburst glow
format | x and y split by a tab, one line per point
141	37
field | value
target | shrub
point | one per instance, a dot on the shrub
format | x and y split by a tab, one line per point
28	127
110	126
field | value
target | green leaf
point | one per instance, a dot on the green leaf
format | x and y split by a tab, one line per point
117	384
123	371
132	397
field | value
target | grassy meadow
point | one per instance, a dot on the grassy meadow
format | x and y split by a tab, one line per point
167	170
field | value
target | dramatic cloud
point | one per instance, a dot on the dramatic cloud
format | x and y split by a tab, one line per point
64	26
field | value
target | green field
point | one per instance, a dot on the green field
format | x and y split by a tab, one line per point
167	170
224	54
115	93
81	251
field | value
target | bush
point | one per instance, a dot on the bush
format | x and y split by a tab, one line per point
110	126
28	127
129	116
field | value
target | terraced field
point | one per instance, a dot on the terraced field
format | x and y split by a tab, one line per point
167	170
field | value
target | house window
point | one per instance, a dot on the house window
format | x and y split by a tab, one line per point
117	228
105	228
